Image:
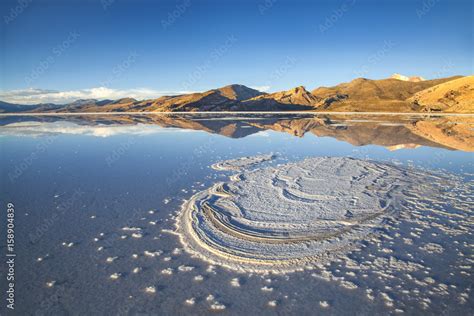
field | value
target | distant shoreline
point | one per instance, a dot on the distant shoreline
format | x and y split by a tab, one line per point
242	112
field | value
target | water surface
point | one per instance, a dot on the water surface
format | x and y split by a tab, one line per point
82	184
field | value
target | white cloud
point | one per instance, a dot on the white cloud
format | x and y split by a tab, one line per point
37	129
34	96
261	88
260	134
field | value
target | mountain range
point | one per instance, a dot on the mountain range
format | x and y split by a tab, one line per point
396	94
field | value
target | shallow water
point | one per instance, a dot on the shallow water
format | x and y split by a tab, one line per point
96	200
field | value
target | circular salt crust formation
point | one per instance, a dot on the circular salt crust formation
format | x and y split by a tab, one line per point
292	216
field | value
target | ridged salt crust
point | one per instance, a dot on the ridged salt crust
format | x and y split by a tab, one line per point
287	218
240	163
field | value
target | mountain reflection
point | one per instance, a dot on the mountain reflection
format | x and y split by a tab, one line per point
390	131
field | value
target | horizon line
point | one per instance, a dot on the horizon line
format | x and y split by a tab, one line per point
240	112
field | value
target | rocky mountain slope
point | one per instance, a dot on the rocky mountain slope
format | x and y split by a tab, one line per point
295	99
452	96
400	94
372	95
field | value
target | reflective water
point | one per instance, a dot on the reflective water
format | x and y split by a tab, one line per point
95	199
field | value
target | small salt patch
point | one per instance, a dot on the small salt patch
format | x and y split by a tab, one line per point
184	268
136	270
177	251
211	269
210	297
198	278
349	285
152	253
272	303
150	289
218	306
235	282
132	229
115	276
324	304
167	271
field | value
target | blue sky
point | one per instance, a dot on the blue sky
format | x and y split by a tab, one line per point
152	47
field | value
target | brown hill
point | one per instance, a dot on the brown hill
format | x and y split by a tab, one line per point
295	99
372	95
452	96
223	99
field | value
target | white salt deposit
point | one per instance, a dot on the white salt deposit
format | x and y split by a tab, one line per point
283	218
235	282
136	270
272	303
432	248
167	271
210	297
131	229
217	306
115	276
177	251
324	304
240	163
184	268
198	278
152	253
150	289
